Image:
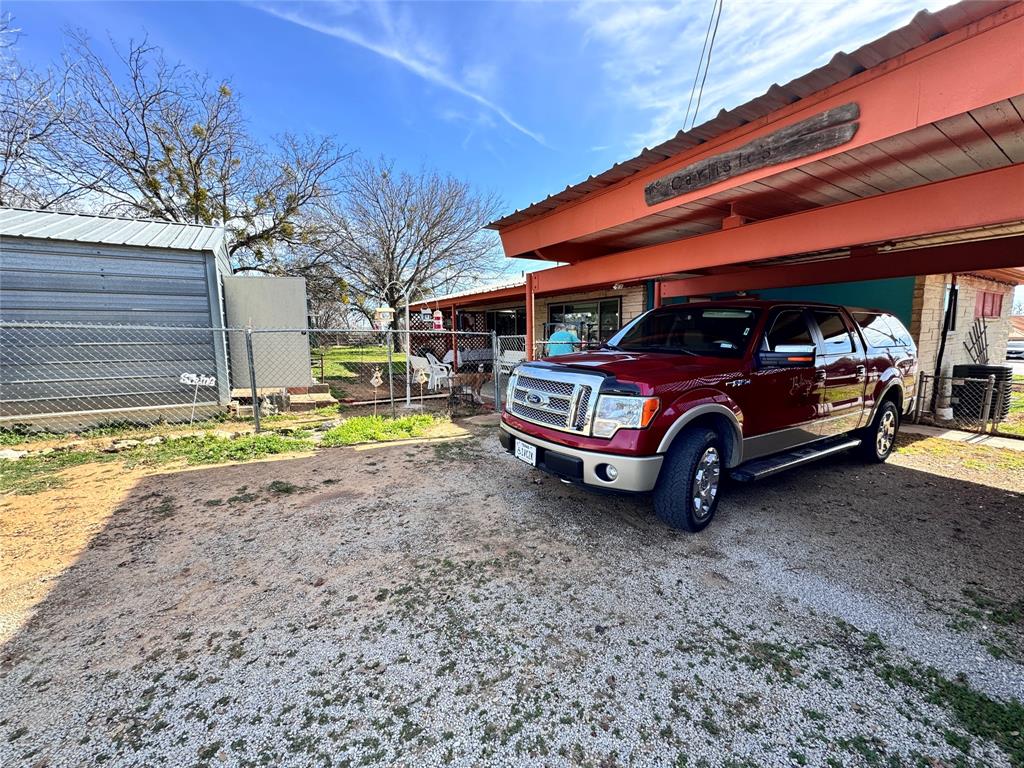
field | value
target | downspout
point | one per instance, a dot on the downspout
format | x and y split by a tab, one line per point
951	306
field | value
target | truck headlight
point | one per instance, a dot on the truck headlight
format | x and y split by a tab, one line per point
510	391
615	412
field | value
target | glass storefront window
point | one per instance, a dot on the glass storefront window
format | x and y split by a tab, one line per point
593	321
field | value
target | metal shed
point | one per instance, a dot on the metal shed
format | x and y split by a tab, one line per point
106	319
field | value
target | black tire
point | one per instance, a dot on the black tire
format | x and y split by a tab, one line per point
680	483
879	439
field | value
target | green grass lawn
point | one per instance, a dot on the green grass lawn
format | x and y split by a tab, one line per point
349	362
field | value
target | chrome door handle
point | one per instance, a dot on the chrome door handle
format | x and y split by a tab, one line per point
820	375
862	371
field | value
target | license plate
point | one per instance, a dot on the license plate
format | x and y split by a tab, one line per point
526	452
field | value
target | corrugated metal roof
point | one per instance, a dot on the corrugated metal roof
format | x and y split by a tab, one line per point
924	27
519	282
109	230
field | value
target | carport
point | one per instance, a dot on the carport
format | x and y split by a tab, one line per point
901	159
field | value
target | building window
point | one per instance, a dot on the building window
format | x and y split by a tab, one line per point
507	322
988	304
594	321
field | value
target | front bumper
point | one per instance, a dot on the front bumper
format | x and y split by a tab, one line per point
635	474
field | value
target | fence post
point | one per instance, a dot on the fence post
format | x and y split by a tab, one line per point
986	407
252	379
391	374
920	398
496	370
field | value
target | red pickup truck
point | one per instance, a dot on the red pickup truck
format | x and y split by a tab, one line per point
686	393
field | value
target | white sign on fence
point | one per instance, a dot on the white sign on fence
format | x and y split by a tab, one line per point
197	380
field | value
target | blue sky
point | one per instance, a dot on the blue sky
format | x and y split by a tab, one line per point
519	98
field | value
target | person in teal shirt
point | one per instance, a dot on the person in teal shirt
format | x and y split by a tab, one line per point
562	342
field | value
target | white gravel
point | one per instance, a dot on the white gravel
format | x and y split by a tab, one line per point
445	605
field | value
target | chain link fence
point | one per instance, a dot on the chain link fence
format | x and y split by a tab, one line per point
992	404
60	378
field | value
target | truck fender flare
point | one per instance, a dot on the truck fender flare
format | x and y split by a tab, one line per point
704	409
888	381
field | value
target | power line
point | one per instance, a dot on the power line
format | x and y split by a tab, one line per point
709	47
707	65
700	61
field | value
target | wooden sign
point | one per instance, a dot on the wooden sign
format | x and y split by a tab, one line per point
829	129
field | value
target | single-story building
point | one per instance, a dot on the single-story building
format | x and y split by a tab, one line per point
891	177
60	272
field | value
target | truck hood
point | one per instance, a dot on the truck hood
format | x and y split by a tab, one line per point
642	367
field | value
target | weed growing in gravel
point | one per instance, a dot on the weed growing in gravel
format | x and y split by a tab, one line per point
283	486
1001	722
371	429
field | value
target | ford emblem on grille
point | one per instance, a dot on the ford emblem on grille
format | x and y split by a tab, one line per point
536	399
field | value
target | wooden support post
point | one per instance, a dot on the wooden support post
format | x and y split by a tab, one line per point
529	315
455	341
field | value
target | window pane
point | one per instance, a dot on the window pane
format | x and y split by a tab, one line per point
833	329
789	329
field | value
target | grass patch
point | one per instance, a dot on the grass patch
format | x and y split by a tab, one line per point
208	449
374	429
1001	722
977	457
34	474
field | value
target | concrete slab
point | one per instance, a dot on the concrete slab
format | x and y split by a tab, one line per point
989	441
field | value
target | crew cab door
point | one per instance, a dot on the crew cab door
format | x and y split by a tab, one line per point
781	405
841	371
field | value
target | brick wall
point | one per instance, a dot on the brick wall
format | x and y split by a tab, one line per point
928	313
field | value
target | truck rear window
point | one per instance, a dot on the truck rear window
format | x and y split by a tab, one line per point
882	330
715	332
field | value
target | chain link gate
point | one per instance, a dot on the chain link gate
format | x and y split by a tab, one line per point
971	404
511	351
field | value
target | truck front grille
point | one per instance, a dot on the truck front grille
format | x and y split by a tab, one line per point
556	399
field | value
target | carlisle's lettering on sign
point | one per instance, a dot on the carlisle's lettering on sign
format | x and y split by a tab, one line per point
823	131
197	380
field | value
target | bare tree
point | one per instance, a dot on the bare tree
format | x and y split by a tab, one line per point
396	232
30	109
148	138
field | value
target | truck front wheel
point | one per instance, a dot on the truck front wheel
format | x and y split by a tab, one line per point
686	494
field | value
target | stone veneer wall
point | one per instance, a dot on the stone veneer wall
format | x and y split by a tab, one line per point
928	312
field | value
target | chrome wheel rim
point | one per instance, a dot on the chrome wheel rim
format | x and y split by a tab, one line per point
886	432
705	482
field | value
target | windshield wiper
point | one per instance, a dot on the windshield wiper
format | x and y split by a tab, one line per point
612	347
666	350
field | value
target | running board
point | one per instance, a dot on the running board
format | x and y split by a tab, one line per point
759	468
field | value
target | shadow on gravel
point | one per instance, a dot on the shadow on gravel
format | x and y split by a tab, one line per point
192	567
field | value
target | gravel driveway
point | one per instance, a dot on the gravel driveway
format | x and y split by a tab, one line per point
442	604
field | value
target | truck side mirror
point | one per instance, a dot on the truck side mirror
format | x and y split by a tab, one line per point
788	356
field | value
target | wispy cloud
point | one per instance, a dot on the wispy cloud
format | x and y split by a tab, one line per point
649	53
399	45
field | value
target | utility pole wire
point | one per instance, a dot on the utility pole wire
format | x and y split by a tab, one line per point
700	61
707	66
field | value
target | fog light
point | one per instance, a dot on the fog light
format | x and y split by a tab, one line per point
610	471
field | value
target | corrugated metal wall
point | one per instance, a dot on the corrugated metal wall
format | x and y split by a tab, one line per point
117	372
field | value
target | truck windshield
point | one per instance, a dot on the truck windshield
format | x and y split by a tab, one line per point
711	331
